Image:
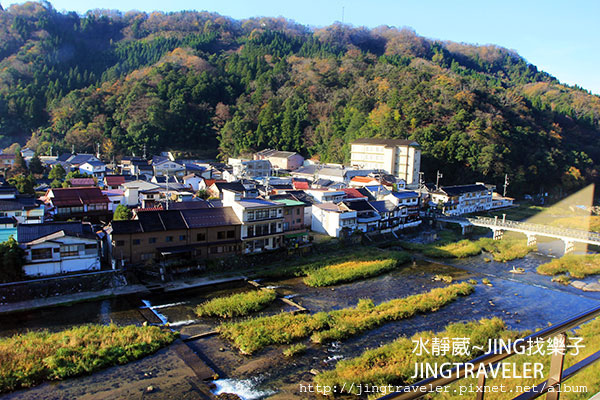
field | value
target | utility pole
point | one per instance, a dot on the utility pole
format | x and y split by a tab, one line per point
98	151
50	151
506	183
167	189
144	151
421	183
439	175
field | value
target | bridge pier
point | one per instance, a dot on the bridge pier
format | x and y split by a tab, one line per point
531	240
569	246
498	233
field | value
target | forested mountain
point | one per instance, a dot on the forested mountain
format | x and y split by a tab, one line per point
207	84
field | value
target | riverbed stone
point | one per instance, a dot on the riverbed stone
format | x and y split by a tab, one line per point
578	284
592	287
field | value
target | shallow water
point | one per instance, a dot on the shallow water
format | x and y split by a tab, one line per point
524	301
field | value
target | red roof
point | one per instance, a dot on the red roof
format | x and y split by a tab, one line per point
300	185
363	179
353	193
82	182
114	180
209	182
76	196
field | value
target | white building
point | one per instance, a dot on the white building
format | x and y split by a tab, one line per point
168	167
325	195
401	158
60	253
331	219
262	222
463	199
248	168
93	168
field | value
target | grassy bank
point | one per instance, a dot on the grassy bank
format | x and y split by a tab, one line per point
236	305
394	363
301	266
254	334
353	270
448	247
577	265
26	360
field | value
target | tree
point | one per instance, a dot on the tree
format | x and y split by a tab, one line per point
35	165
122	213
24	183
11	261
57	172
203	194
19	167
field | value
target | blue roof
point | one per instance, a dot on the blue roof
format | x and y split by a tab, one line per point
375	188
405	194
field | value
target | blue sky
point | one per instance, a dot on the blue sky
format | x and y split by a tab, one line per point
559	37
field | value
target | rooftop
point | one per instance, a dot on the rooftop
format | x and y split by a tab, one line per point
386	142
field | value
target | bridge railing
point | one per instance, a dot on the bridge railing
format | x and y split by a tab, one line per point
557	374
536	228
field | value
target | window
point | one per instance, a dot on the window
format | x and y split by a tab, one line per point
136	242
146	256
41	254
182	238
230	234
152	240
120	243
169	239
297	211
69	250
221	235
287	212
91	249
201	237
250	215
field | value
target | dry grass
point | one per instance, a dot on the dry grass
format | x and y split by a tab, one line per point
394	363
577	265
353	270
254	334
26	360
236	305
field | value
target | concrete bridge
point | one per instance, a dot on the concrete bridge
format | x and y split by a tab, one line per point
532	231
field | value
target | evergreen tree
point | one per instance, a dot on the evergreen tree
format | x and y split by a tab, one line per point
12	258
122	213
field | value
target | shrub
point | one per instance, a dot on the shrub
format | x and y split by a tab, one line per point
237	305
394	363
294	349
26	360
577	265
353	270
254	334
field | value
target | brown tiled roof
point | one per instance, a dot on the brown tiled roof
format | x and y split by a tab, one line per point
77	196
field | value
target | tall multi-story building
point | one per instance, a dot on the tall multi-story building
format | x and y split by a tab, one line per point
398	157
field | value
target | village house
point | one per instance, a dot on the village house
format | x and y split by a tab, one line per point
167	235
332	219
59	248
286	160
26	209
262	221
462	199
96	169
247	169
294	229
85	203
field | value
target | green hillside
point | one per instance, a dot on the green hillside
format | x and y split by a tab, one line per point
208	84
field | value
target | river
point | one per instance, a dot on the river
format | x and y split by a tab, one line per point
524	301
